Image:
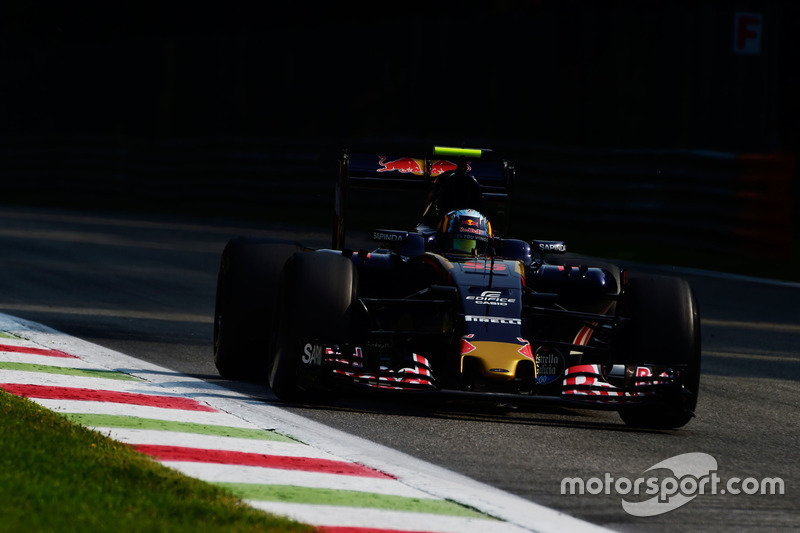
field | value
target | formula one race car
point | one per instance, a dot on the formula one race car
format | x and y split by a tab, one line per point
450	307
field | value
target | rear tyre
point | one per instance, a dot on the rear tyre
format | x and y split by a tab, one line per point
246	289
664	330
317	291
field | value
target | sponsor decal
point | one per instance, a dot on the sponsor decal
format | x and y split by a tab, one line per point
549	364
404	165
312	354
494	320
557	247
380	346
491	298
440	166
468	229
387	236
410	165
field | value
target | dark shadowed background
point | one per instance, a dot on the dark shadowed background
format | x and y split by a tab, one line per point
639	129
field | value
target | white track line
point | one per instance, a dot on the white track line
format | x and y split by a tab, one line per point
24	377
45	360
213	442
216	473
143	411
333	515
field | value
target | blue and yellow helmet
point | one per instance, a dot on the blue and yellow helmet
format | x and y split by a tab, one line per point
463	229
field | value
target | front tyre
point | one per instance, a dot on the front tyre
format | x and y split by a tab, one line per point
316	295
246	288
664	331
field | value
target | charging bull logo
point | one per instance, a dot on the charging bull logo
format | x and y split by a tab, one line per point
442	165
405	165
409	165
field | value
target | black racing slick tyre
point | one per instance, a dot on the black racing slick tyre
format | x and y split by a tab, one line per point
664	331
246	289
314	309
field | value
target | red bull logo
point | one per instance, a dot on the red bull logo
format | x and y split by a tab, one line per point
440	166
409	165
406	165
472	231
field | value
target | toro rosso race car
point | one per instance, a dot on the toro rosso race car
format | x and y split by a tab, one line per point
450	307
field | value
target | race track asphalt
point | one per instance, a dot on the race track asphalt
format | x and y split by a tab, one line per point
144	285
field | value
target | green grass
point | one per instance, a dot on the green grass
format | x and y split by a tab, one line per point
58	476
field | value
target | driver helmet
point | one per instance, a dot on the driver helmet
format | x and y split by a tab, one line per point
463	229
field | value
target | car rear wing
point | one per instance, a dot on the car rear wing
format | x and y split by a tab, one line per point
365	171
